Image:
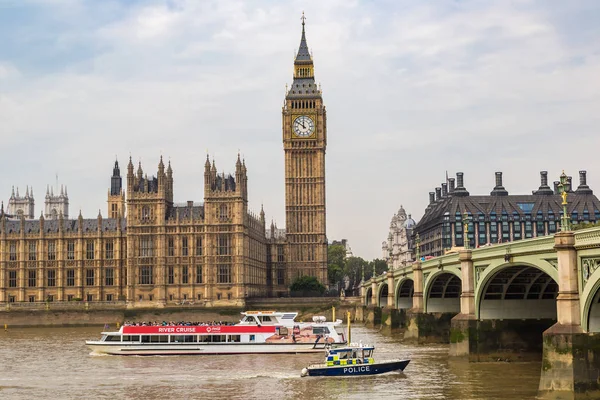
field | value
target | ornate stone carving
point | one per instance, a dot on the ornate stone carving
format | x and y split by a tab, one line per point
588	266
425	275
479	270
553	262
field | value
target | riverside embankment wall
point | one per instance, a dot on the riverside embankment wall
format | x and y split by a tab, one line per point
82	314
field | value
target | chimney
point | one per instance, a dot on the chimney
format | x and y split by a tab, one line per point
438	194
431	197
556	183
190	203
544	188
444	190
544	178
569	184
583	187
450	185
460	188
499	189
459	180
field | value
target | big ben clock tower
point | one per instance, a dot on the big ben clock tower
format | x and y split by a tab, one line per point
304	143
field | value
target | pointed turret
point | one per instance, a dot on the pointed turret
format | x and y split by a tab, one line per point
303	53
304	86
140	173
161	166
12	196
207	164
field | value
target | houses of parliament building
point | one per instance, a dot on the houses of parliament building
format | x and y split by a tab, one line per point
147	248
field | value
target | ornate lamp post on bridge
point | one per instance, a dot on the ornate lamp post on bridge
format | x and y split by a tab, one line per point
465	221
565	221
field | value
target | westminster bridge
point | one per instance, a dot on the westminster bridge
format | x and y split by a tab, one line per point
539	293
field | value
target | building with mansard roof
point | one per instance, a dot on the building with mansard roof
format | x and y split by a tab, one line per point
500	216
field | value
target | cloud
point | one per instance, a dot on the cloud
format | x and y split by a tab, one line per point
412	89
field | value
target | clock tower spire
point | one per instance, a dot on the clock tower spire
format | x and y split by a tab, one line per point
304	142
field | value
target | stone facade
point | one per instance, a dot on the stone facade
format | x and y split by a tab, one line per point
153	251
304	143
397	250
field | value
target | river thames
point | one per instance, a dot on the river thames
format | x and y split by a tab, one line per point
54	363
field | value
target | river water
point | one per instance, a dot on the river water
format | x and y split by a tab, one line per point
53	363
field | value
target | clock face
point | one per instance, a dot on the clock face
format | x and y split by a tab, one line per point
304	126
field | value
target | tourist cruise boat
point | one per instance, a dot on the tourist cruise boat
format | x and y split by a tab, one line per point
257	332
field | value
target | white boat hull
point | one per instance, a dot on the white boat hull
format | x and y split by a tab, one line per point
160	349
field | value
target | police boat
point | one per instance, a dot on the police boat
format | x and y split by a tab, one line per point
355	359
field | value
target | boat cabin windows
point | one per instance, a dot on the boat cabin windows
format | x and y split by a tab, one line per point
235	338
183	338
213	338
320	330
368	353
112	338
131	338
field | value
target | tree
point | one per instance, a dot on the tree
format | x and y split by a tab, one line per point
380	267
305	286
354	270
336	261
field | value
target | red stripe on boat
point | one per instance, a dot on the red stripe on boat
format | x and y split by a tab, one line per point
181	330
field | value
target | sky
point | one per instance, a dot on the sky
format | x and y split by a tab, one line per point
413	89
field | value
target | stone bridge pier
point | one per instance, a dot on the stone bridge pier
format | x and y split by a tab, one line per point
571	359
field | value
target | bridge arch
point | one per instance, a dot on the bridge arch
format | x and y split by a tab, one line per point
403	297
368	296
442	292
382	295
590	300
517	290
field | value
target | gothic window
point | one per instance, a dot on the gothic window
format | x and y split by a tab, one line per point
224	245
146	246
70	277
223	212
171	274
89	250
12	279
184	246
170	247
51	250
109	277
280	254
32	251
89	277
146	277
280	276
198	273
185	276
108	250
13	251
224	273
51	278
146	213
70	250
32	279
198	245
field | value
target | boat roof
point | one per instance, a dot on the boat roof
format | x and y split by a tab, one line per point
270	313
350	348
